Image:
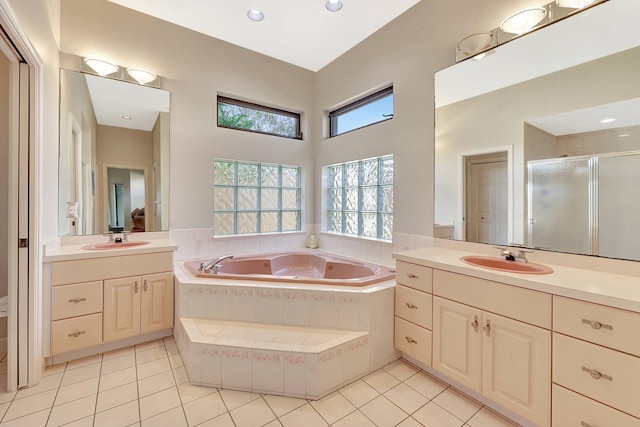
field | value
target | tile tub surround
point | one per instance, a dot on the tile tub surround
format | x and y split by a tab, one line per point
282	307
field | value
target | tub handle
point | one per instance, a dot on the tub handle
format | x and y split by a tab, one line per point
412	306
412	276
410	340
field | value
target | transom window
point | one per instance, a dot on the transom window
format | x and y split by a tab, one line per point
374	108
252	198
360	198
242	115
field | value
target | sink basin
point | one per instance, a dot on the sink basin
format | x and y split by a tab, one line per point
500	264
114	245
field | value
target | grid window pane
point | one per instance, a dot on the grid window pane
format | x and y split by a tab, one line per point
247	222
269	222
223	199
363	205
269	200
247	174
270	176
224	173
223	224
290	177
290	221
252	199
247	199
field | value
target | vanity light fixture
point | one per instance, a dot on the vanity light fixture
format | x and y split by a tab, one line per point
574	4
475	46
334	5
141	76
523	21
255	15
101	67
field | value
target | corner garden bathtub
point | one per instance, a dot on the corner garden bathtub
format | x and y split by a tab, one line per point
300	324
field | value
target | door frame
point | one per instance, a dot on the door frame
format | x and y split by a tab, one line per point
28	366
460	226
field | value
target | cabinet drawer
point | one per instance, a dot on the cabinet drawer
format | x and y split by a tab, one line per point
414	276
597	323
572	409
77	332
615	375
76	300
511	301
414	306
413	340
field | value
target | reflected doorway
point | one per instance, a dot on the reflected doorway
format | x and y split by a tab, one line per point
126	199
486	198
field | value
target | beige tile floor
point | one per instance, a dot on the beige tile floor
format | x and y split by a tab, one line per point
146	385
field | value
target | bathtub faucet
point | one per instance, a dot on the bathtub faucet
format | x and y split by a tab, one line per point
206	267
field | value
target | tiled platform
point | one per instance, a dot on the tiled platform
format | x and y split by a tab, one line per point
147	386
275	359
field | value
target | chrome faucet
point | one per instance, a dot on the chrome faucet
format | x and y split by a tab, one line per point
509	255
206	267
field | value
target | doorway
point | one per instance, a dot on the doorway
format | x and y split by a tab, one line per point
486	198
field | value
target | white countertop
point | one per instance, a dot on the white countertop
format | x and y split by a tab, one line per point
617	290
63	249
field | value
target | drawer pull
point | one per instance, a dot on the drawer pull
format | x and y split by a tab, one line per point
412	276
475	324
595	374
77	300
76	334
596	325
411	306
583	424
411	340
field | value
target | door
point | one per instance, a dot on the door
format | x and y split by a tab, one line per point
121	314
487	199
517	368
457	342
156	311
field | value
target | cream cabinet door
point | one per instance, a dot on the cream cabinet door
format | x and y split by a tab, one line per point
156	310
121	308
517	367
457	342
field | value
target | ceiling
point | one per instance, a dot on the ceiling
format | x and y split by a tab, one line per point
112	99
300	32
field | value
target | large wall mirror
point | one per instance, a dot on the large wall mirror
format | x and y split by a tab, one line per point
538	143
114	156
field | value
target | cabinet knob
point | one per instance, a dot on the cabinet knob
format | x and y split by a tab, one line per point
597	325
411	340
136	288
76	334
475	324
77	300
487	328
412	306
585	424
412	276
596	375
146	285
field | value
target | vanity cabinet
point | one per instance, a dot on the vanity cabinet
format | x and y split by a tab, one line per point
101	300
413	311
596	363
137	305
502	359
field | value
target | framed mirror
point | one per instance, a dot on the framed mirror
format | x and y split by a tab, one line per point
538	143
112	133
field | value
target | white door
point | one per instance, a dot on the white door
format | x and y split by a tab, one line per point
487	200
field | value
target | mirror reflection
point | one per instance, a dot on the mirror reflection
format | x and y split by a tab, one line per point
549	160
113	157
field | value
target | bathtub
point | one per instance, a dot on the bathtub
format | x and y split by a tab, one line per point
297	267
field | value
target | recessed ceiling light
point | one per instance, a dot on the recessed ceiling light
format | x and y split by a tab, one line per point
607	120
523	21
255	15
624	135
334	5
127	117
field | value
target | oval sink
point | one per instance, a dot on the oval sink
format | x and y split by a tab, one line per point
494	263
114	245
